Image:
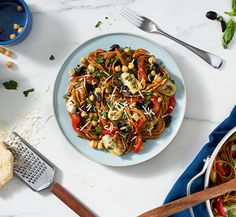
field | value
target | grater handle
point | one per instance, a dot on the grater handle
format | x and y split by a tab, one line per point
70	201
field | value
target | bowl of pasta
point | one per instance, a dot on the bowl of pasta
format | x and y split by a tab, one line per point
124	99
222	169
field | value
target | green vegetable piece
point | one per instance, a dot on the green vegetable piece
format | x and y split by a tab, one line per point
99	59
234	5
95	118
26	92
52	57
230	214
104	115
220	18
98	130
10	85
98	24
80	136
233	148
232	13
229	33
106	18
117	75
98	75
66	95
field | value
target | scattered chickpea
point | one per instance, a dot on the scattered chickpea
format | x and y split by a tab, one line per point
91	98
117	68
91	68
127	49
94	123
2	50
19	8
97	90
16	26
20	30
72	72
100	146
12	36
83	60
93	144
125	69
8	53
152	59
153	73
131	66
83	114
9	64
155	94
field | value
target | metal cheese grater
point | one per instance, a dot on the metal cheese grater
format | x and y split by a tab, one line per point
38	173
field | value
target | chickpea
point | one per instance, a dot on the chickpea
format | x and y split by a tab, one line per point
19	8
93	144
125	69
159	99
2	50
91	68
127	49
97	90
94	123
16	26
84	114
12	36
117	68
8	53
91	98
72	72
83	60
100	146
152	59
155	94
20	30
9	64
153	73
131	65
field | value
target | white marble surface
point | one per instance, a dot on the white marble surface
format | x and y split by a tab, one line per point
59	26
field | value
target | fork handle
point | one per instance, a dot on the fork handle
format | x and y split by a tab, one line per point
210	58
70	201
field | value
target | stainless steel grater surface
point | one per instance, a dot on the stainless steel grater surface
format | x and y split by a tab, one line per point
38	173
30	166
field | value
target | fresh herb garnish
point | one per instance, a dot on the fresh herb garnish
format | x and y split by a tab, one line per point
106	18
98	24
104	115
66	95
52	57
98	75
229	33
95	118
26	92
110	72
10	85
80	136
98	130
117	75
99	59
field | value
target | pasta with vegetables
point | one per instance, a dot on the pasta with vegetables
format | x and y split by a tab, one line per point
120	97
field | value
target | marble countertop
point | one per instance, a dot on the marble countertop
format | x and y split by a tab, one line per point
59	26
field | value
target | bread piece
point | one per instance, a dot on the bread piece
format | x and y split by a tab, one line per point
6	165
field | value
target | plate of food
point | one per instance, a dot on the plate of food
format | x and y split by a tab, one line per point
119	99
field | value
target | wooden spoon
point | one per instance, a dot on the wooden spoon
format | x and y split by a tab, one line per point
191	200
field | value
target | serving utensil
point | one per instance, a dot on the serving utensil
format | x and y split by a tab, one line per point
191	200
148	25
38	173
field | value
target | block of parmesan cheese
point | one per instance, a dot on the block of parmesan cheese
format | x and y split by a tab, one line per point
6	165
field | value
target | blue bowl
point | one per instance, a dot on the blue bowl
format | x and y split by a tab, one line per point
9	16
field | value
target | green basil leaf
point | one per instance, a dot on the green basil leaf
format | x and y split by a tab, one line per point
66	95
234	5
99	59
10	85
232	13
98	130
229	33
117	75
230	214
26	92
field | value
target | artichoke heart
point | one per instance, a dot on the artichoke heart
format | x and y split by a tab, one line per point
112	146
115	113
168	88
131	82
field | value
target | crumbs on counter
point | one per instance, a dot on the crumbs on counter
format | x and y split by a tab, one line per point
26	92
52	57
10	85
98	24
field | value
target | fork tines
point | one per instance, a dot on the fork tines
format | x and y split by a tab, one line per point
131	16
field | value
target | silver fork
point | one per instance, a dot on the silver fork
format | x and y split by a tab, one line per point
148	25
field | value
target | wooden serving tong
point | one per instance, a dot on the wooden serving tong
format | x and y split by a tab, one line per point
191	200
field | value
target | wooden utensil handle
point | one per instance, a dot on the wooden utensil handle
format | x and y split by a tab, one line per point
191	200
70	201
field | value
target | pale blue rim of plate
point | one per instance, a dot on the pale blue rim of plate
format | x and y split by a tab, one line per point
84	44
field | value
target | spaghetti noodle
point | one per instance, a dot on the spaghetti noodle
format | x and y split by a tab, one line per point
119	98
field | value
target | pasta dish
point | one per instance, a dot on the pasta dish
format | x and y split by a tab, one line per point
120	97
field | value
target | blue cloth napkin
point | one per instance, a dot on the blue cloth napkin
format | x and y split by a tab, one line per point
179	188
